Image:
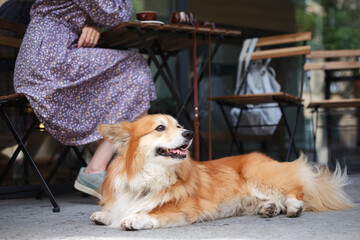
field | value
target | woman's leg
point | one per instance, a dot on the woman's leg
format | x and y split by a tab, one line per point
90	178
101	158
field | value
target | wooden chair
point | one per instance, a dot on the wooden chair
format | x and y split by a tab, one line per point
20	101
273	50
12	27
333	63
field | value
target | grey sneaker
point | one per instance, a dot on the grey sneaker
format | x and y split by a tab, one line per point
89	183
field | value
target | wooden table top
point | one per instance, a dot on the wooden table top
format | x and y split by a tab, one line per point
170	37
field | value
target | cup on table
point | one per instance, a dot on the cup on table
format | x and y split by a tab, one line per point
146	16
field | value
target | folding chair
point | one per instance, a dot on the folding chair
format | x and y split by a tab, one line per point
283	99
338	65
19	101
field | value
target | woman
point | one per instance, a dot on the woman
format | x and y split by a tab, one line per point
74	87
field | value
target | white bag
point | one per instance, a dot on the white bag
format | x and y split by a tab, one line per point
260	78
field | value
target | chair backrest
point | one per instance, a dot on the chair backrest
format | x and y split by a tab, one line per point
278	47
285	51
346	61
12	27
333	61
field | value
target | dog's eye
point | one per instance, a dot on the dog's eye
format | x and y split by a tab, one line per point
160	128
178	126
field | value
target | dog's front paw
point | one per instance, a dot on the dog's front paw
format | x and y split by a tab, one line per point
269	209
294	207
99	218
138	221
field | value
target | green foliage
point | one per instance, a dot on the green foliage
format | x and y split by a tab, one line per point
305	21
341	24
338	22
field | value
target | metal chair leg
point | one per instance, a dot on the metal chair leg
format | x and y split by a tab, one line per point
54	169
79	156
240	147
292	137
287	128
17	151
233	135
48	192
60	161
315	127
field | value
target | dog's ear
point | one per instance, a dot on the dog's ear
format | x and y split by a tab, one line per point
118	134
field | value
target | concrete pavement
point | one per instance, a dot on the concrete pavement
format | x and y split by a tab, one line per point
34	219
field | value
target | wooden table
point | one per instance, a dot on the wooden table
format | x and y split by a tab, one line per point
169	37
165	40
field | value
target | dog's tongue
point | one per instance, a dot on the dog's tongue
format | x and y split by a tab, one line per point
179	151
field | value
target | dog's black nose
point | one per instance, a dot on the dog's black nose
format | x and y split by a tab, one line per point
187	134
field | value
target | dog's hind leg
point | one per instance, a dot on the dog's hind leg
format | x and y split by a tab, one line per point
270	204
294	207
100	218
269	209
294	202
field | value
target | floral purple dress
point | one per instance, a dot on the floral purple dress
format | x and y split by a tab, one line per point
74	90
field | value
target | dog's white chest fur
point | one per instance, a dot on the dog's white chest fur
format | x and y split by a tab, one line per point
152	178
138	195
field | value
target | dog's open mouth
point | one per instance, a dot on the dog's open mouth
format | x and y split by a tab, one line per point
173	153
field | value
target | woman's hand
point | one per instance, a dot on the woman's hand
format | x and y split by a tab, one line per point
89	37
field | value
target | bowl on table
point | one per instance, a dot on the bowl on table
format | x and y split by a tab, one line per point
146	16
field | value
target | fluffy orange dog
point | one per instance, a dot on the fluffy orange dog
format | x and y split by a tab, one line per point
153	182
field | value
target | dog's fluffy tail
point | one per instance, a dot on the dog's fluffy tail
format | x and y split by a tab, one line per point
323	189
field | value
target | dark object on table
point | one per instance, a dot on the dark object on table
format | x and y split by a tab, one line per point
208	24
146	16
183	18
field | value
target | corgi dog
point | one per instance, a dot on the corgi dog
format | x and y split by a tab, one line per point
154	183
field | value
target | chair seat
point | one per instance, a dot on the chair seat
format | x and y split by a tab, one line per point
15	96
258	99
332	103
16	99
